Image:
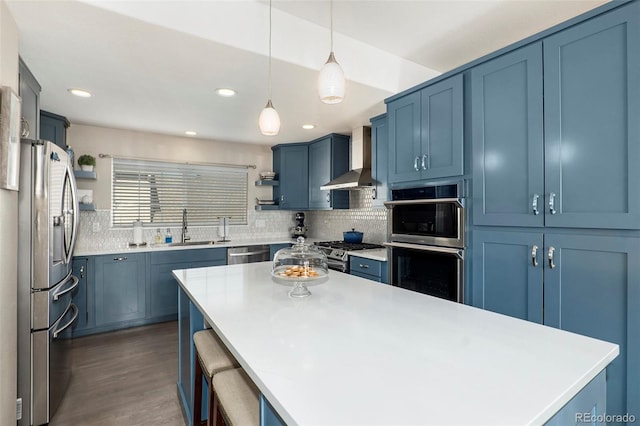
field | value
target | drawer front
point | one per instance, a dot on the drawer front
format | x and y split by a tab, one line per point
183	256
365	266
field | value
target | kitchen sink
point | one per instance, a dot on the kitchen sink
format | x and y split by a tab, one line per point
193	243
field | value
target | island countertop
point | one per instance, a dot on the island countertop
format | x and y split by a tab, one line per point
357	352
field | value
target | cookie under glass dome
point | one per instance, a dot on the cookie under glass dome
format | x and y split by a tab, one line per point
300	265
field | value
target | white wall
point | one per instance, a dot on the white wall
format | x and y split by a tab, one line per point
8	240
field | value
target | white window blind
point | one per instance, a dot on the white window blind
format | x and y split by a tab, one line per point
156	192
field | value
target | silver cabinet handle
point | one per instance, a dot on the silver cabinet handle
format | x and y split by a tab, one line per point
363	266
550	256
415	164
534	255
534	204
82	271
424	161
328	197
374	194
282	197
119	259
552	203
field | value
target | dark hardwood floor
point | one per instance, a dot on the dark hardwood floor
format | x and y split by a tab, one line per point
125	377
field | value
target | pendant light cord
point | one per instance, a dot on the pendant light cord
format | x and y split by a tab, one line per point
270	50
331	20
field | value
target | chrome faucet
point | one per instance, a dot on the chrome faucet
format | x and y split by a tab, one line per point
185	237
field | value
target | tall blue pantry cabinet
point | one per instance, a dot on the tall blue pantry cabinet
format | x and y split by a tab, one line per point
556	200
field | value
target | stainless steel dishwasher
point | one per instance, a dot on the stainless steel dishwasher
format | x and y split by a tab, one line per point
247	254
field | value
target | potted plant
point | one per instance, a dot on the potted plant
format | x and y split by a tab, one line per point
87	162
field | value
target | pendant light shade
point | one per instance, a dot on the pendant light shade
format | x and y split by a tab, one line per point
269	120
331	81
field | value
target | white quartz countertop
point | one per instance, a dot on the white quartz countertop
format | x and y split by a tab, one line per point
360	353
167	247
374	254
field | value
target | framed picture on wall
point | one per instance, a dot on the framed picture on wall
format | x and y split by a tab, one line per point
9	139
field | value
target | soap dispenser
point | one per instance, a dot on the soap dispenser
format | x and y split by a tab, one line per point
168	238
159	237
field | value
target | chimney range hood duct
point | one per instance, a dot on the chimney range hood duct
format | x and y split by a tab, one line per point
359	177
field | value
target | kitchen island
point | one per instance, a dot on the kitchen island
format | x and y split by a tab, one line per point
357	352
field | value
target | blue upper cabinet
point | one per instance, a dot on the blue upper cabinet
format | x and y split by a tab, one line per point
426	133
379	159
29	90
594	289
328	159
291	164
53	127
507	139
591	109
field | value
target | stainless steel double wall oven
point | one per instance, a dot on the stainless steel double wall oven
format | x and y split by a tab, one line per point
426	233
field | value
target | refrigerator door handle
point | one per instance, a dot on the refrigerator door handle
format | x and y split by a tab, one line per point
74	212
75	280
67	325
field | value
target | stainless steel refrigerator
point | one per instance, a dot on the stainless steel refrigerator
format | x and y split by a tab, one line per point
47	226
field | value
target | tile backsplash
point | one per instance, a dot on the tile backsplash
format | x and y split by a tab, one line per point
96	233
330	224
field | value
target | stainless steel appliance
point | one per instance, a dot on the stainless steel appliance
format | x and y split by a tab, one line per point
247	254
426	231
338	252
47	226
300	230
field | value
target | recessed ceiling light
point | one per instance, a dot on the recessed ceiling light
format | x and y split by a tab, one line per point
308	126
81	93
226	93
190	133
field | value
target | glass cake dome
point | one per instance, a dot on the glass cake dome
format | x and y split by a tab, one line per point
300	265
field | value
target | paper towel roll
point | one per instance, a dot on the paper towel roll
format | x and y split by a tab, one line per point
137	232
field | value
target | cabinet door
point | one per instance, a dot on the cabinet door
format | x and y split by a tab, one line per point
404	138
294	177
120	282
163	289
53	128
319	174
379	160
591	109
506	278
507	139
30	94
81	295
594	289
442	129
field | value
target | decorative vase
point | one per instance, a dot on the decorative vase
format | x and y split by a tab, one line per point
86	168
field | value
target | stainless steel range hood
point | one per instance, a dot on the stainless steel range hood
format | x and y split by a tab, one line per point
359	176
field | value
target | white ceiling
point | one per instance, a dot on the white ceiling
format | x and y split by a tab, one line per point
153	65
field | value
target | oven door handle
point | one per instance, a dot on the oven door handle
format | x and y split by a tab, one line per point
446	250
458	201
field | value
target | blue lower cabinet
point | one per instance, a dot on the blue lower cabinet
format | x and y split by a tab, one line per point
163	294
83	295
273	248
586	406
120	287
504	279
587	284
374	270
594	289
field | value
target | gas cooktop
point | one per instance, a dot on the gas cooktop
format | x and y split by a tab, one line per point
341	245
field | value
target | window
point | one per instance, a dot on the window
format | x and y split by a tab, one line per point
156	192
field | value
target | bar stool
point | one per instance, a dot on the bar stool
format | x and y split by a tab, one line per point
235	399
211	358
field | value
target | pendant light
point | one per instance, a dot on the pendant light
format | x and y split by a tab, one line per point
269	120
331	80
